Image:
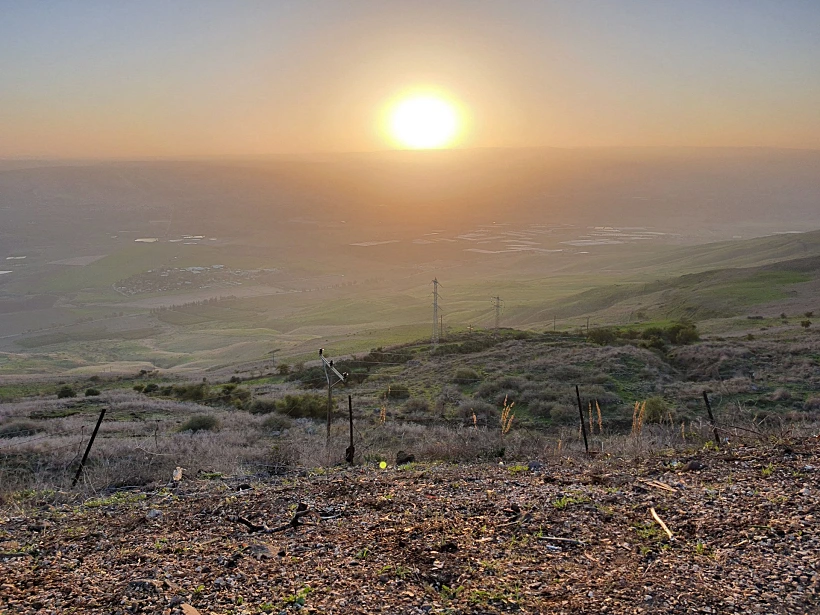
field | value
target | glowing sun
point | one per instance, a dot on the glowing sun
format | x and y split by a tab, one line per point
423	122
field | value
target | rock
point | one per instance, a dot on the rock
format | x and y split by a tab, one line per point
153	514
402	458
534	465
693	466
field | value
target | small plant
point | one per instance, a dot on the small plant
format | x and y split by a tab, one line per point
200	422
637	417
92	392
507	417
567	500
517	469
299	598
66	391
805	323
767	471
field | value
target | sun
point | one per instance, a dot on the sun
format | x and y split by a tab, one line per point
423	122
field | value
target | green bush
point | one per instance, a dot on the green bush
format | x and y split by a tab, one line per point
656	410
92	392
200	422
66	391
465	375
19	429
397	391
151	387
262	406
602	337
191	392
303	406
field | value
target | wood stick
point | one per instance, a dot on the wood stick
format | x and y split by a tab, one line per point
661	523
711	419
581	412
88	449
571	541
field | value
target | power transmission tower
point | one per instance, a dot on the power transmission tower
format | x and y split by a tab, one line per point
497	301
435	311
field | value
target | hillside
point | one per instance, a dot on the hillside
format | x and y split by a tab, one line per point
564	535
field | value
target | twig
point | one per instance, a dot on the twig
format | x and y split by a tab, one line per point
295	522
15	554
571	541
661	523
657	484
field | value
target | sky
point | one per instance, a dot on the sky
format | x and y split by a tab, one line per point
102	79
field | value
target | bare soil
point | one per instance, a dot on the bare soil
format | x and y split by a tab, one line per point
564	535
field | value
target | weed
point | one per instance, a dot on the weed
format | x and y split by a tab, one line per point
507	417
767	470
567	500
517	469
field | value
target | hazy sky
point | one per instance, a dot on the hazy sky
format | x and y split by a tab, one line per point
177	78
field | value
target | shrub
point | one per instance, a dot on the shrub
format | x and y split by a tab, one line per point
602	337
151	387
805	324
19	429
283	369
200	422
303	406
139	388
276	422
416	406
781	395
465	375
66	391
191	392
812	403
560	413
263	406
92	392
397	391
656	410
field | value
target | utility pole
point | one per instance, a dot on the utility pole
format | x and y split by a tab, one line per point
333	378
273	357
497	305
435	312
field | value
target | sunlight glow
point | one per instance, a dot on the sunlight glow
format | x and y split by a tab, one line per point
424	122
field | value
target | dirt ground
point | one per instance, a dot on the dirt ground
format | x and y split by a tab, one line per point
564	535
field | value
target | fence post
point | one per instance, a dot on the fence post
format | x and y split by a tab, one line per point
351	450
88	448
581	413
711	418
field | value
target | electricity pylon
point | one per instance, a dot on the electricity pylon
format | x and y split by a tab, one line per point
497	301
435	311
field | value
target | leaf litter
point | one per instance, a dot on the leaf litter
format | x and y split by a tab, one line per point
719	532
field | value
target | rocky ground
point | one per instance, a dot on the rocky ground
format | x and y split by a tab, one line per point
563	535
